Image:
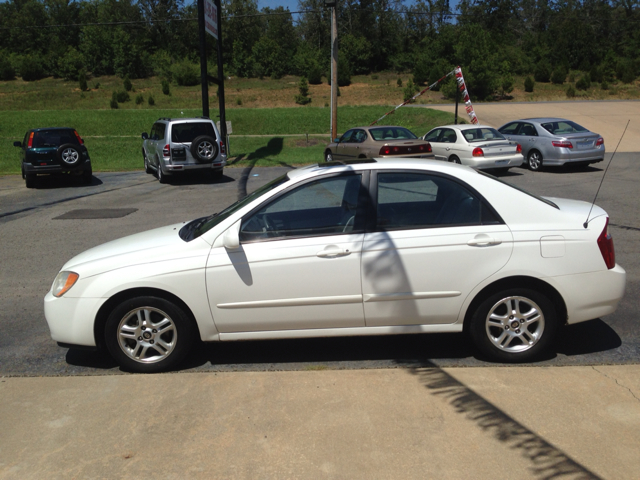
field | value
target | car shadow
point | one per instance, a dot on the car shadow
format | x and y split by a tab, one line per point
197	178
579	169
50	182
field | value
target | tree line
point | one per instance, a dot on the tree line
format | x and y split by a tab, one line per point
492	40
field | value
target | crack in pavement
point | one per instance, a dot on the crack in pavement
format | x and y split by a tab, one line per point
617	383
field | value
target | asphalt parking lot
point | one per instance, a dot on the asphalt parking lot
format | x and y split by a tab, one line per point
43	228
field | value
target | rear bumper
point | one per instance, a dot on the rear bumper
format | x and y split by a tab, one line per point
51	169
177	166
563	156
495	162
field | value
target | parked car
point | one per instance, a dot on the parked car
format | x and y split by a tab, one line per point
372	247
554	142
178	145
478	146
54	150
377	142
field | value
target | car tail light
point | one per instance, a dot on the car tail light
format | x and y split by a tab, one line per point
166	151
605	243
477	152
563	144
223	149
78	137
599	142
385	151
429	148
519	148
30	143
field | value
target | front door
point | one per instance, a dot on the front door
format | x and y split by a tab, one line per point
298	265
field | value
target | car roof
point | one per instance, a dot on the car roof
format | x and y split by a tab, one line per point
464	126
50	128
383	164
543	119
184	119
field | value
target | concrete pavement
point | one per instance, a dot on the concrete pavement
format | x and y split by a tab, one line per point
606	118
412	422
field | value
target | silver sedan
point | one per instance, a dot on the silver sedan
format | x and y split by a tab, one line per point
478	146
554	142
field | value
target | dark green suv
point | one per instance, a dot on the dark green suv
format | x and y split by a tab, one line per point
54	150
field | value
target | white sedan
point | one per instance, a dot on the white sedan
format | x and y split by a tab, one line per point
374	247
478	146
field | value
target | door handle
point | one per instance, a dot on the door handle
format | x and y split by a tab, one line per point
483	240
448	148
332	253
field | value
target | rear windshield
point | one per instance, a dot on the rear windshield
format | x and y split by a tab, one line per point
481	134
543	200
188	132
391	133
54	138
562	127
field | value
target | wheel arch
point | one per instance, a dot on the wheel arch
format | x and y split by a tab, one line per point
517	282
110	304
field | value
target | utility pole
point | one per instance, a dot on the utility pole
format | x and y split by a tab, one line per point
203	60
334	67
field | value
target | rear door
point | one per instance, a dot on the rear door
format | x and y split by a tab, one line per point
438	149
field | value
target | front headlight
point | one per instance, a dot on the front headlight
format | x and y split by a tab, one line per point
63	282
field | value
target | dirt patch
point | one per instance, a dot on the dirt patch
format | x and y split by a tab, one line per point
308	143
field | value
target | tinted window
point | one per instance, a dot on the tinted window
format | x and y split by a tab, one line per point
54	138
482	134
529	130
323	207
188	132
415	200
510	129
391	133
562	127
157	132
347	136
359	136
432	136
448	136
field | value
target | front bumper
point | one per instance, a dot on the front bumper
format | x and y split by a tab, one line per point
71	320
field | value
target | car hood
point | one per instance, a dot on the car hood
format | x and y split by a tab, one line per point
140	248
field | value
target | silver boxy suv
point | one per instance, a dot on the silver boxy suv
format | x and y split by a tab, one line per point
178	145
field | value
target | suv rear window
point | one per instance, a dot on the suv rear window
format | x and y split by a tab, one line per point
54	138
188	132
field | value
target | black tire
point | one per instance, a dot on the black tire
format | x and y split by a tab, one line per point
147	167
204	148
30	180
148	334
455	159
519	335
328	156
534	161
87	177
162	178
69	156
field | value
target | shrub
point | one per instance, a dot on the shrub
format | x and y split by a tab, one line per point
139	99
302	98
571	92
97	85
82	80
597	74
70	64
628	76
399	82
186	74
31	68
114	103
165	87
151	101
409	90
7	72
572	77
604	85
122	96
543	71
239	101
584	83
127	84
374	77
529	84
558	76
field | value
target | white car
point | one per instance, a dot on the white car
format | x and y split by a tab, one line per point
478	146
374	247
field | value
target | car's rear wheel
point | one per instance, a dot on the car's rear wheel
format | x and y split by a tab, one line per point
328	156
162	178
148	334
515	325
30	180
69	156
204	148
534	160
455	159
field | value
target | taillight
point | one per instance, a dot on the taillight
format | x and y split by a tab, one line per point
563	144
599	142
385	151
30	143
223	149
429	147
477	152
605	243
519	149
78	137
166	151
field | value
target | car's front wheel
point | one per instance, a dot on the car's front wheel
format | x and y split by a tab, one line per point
148	334
328	156
515	325
147	168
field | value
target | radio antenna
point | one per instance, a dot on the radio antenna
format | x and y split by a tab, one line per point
586	224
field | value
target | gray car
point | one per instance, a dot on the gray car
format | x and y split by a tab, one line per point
554	142
178	145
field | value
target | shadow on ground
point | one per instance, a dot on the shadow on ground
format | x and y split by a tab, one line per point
47	182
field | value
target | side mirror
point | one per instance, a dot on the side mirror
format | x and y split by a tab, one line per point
231	238
17	144
336	140
145	136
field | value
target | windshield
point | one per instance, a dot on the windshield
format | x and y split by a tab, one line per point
563	126
543	200
391	133
199	226
481	134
